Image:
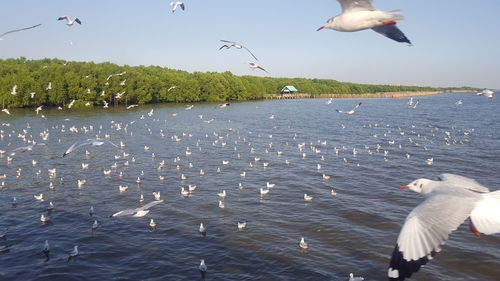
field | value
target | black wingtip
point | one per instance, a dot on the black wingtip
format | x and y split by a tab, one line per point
399	268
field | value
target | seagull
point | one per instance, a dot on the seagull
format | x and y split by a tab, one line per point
171	88
70	22
254	66
202	229
176	4
95	225
38	109
203	266
355	278
46	248
449	202
303	244
156	195
93	142
6	111
16	30
44	218
137	212
486	93
152	223
360	14
242	225
223	105
14	90
307	198
132	106
237	46
352	111
73	253
91	211
222	194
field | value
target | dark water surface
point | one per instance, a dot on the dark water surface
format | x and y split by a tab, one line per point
354	231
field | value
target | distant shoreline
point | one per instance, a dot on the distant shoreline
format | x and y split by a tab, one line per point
365	95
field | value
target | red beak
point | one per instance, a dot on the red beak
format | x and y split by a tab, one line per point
321	27
404	187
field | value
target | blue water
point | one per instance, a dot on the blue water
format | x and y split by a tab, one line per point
354	231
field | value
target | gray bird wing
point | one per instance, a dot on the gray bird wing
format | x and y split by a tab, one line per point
393	32
356	5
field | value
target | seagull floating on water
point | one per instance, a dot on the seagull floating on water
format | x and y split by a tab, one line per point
449	202
202	229
360	14
302	244
355	278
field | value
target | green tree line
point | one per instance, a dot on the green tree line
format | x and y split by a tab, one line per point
55	82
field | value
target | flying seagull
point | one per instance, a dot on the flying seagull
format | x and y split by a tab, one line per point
486	93
237	46
70	22
352	111
449	202
176	4
254	66
136	210
360	14
16	30
93	142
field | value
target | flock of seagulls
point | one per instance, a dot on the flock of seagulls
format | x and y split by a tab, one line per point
243	147
449	201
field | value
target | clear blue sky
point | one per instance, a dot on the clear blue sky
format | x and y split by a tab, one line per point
456	42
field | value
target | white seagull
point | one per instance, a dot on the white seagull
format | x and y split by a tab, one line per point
352	111
254	66
237	46
14	90
176	4
6	111
16	30
360	14
141	211
449	202
70	22
486	93
93	142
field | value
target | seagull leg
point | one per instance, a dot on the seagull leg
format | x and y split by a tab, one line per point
474	230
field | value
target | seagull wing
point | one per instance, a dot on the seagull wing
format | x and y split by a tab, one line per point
78	21
251	53
63	18
393	32
486	215
228	41
260	67
356	5
182	6
463	182
358	105
21	29
78	144
149	205
427	227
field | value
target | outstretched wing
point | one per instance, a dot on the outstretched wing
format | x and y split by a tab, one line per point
356	5
251	53
393	32
76	145
21	29
427	228
462	182
149	205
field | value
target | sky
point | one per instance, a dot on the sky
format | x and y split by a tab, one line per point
455	42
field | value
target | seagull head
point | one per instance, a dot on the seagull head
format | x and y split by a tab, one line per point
420	186
329	24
